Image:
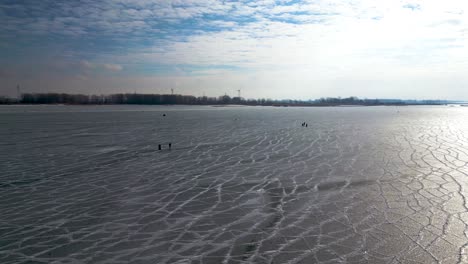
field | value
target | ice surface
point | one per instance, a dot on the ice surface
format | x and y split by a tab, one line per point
87	184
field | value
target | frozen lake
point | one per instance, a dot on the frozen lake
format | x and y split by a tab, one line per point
87	184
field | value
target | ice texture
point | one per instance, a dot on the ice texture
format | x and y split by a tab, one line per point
87	184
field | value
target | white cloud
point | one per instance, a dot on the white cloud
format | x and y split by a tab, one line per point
87	65
112	67
400	39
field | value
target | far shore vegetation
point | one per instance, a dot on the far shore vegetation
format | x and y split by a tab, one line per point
177	99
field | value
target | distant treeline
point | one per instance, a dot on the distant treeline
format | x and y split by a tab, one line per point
173	99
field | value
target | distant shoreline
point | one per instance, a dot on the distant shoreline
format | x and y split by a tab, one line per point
233	105
221	101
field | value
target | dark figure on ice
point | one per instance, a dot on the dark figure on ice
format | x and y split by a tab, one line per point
159	147
170	145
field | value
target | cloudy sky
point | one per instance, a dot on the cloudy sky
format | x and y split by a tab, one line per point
273	49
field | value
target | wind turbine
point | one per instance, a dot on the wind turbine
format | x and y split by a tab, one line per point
18	91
